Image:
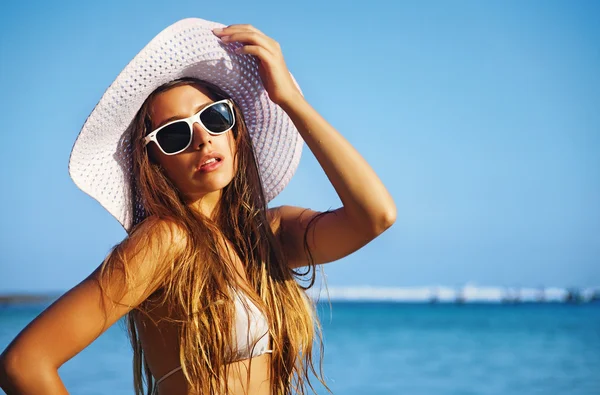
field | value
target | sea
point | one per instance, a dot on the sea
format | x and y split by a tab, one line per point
390	348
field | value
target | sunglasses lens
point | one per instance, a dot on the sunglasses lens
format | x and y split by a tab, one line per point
217	118
174	137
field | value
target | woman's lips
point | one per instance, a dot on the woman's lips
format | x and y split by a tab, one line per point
212	166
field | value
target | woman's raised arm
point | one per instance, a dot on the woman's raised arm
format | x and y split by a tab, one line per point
368	208
29	365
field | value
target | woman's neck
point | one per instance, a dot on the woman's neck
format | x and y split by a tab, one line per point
205	204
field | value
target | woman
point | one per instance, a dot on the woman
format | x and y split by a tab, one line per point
185	149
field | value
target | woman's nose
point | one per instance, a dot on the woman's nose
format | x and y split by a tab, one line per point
200	136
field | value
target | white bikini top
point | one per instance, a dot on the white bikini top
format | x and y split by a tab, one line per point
250	333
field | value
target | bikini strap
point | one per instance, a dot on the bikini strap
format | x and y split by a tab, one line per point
167	375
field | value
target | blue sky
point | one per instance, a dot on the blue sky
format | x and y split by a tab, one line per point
482	119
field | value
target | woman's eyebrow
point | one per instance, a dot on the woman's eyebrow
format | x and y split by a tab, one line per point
176	117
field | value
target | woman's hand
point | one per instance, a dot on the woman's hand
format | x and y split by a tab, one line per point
272	68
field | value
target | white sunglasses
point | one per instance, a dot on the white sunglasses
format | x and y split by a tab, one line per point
174	137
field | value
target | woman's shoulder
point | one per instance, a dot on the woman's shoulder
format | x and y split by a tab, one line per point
156	239
165	229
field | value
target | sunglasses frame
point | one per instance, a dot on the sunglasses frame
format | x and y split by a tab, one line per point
190	121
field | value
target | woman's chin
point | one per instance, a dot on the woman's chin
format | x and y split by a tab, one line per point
215	185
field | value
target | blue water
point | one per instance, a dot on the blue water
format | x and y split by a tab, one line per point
388	348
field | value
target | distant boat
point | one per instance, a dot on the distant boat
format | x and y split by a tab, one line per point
460	296
573	296
506	298
435	297
595	298
541	296
512	296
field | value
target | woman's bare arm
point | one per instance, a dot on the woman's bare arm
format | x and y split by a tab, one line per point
368	208
29	365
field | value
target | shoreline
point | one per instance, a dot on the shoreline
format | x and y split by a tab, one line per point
26	298
571	296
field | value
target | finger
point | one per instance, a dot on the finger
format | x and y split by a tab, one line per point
252	38
229	30
243	27
255	50
233	29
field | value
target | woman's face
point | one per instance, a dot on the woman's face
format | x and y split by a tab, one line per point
184	169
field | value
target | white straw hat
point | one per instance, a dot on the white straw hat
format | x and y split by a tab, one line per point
101	163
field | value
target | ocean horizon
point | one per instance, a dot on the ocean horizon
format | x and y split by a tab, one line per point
469	293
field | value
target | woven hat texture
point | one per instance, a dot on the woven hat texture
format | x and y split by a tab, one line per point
100	161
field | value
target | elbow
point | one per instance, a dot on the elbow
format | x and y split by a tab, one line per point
7	370
10	369
388	217
14	370
384	220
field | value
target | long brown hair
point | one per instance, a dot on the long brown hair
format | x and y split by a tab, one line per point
201	275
